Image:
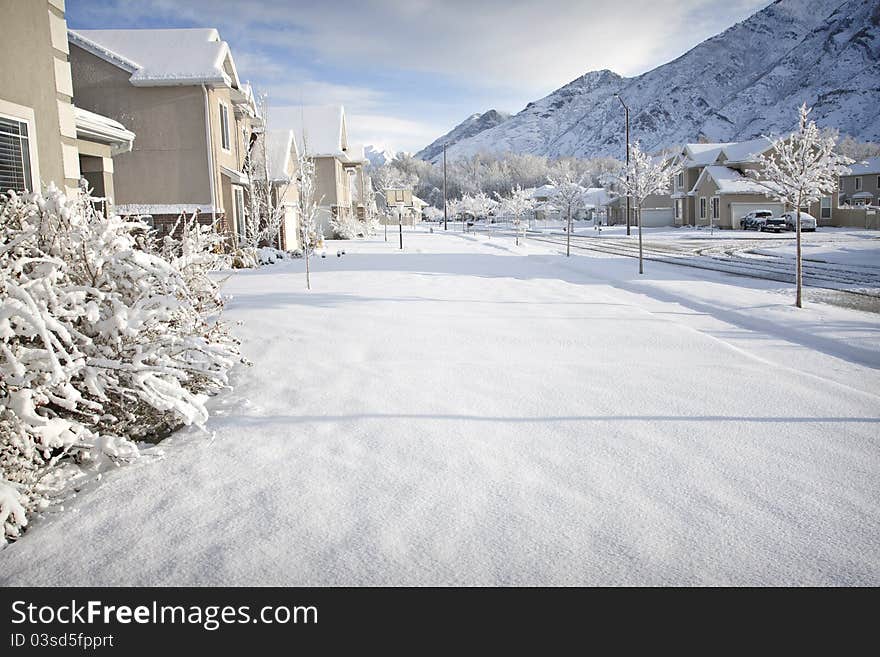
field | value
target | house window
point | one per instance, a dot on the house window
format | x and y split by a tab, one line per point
825	207
680	179
224	127
858	183
677	210
398	196
702	207
716	206
15	156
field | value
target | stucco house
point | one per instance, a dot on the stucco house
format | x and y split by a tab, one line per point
321	133
179	91
44	138
862	185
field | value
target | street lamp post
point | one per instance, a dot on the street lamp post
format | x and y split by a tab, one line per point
626	113
444	188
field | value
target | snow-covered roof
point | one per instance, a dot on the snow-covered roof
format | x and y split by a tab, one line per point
356	154
544	191
597	196
746	151
280	148
97	127
863	195
320	130
417	202
696	155
866	167
729	181
163	57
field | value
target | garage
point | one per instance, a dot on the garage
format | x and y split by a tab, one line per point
739	210
652	217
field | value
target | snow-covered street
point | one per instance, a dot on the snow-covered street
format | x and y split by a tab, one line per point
470	412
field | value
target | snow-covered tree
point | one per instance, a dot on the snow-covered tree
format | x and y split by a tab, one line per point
308	209
645	175
518	206
264	214
478	205
568	195
798	170
107	337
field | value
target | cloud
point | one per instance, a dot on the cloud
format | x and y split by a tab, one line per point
429	63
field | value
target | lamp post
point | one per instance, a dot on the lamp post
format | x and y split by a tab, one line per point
626	113
444	187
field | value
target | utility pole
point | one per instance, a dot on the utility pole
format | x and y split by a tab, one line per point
626	113
445	218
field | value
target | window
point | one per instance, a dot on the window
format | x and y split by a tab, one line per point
398	196
680	179
677	209
224	127
15	156
825	208
858	183
878	182
702	207
240	226
716	207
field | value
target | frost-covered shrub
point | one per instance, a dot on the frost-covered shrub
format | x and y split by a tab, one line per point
346	227
106	337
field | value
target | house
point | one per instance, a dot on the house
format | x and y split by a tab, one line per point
714	186
689	163
862	185
179	91
321	133
281	164
43	137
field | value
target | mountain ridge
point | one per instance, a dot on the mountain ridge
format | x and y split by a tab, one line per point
739	84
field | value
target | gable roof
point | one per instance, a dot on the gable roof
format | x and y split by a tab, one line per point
280	150
866	167
729	181
696	155
747	151
164	57
320	130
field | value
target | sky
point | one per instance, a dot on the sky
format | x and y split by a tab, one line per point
407	71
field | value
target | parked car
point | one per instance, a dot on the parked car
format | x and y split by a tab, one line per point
776	224
808	222
752	220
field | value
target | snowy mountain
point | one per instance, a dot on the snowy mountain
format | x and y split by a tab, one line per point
742	83
377	156
470	127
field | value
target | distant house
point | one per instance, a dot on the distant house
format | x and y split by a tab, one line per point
178	89
281	169
322	134
862	185
43	137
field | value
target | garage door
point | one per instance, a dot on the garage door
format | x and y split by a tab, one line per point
657	217
739	210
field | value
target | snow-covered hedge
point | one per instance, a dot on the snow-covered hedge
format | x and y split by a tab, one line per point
347	227
107	337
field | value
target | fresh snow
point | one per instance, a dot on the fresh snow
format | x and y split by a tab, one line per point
469	412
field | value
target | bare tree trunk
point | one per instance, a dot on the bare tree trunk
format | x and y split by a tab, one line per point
799	302
568	235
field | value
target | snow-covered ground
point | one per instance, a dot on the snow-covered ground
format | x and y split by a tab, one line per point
466	412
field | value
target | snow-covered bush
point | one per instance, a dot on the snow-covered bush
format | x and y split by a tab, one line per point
106	337
347	227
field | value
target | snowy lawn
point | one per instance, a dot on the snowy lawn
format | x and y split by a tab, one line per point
464	412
